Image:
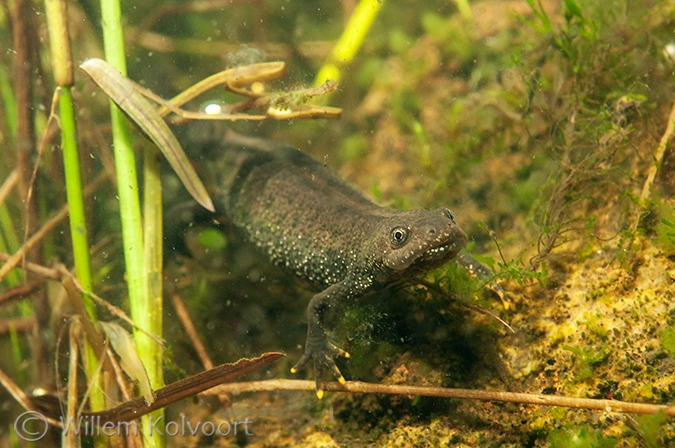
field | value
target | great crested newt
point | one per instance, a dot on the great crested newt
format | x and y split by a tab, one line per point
308	220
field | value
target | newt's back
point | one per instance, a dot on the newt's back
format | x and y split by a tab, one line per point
302	214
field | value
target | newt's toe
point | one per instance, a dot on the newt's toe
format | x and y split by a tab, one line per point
322	356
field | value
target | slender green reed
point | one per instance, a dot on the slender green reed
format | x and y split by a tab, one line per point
151	320
75	194
143	310
63	76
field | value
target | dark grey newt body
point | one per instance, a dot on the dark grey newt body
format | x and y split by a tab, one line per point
307	219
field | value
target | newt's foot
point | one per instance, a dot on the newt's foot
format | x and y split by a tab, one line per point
507	303
322	356
477	269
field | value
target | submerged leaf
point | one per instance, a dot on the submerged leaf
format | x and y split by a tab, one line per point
124	93
131	363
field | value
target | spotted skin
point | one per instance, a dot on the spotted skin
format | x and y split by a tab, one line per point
308	220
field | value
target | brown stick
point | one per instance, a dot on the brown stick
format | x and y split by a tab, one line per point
470	394
191	331
23	46
19	324
18	292
8	185
42	271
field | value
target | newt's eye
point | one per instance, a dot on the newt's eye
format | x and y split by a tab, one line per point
451	215
399	235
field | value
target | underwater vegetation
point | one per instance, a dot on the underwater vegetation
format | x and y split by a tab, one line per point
546	126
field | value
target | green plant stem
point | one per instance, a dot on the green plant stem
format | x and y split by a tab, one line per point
125	164
350	41
148	349
78	225
63	75
130	213
152	207
75	195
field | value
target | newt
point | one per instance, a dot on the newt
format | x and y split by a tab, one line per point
310	221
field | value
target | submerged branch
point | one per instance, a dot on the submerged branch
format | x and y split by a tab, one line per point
442	392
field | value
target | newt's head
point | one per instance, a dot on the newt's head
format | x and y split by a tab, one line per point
422	239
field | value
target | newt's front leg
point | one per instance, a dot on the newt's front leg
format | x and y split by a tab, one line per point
317	347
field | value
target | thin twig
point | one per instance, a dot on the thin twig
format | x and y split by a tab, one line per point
18	324
493	236
654	167
442	392
42	271
8	185
191	331
119	375
18	292
46	135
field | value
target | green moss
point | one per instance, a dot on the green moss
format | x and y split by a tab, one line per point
516	270
668	341
596	324
581	437
665	229
651	427
587	359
